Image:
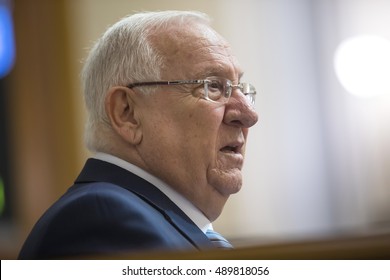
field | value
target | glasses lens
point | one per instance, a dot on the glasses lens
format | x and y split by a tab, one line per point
216	89
219	90
249	91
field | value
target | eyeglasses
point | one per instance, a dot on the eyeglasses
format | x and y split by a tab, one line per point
214	89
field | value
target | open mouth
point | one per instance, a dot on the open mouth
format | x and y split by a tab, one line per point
229	149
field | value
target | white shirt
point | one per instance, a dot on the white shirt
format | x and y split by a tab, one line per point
184	204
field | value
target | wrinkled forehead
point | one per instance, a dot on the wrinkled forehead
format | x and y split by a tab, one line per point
195	51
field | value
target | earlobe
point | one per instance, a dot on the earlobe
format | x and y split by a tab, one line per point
121	110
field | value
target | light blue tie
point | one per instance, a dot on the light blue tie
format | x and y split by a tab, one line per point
218	240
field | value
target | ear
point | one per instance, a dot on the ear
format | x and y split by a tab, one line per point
121	109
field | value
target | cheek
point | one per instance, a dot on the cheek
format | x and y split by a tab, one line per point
186	139
201	130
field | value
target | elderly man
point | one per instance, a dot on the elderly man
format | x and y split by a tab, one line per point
168	123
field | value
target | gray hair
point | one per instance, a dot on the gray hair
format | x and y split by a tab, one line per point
124	55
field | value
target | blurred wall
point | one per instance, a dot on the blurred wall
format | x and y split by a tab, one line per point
318	160
44	147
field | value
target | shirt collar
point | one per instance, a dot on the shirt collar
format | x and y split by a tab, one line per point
184	204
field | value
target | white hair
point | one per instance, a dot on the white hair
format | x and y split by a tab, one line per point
124	55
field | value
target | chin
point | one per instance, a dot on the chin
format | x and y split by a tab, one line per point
226	182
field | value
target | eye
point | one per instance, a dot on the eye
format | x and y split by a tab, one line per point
215	85
215	89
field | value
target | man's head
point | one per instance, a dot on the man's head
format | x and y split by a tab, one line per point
176	132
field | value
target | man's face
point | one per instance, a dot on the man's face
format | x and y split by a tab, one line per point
195	145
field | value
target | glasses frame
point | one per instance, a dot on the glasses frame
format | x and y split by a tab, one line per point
242	86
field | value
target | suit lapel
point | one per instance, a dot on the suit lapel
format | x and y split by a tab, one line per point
101	171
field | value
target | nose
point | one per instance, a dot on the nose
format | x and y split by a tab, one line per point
239	112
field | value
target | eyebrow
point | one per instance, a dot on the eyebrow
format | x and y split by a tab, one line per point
219	72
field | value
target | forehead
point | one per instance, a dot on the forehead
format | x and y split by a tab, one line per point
195	51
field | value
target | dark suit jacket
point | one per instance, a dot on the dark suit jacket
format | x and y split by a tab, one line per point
110	210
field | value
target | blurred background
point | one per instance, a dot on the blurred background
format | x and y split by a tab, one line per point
318	161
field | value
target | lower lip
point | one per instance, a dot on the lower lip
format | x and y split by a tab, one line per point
233	156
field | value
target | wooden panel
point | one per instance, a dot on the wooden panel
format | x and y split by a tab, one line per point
351	248
44	143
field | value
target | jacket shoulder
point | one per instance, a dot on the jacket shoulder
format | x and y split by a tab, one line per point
100	217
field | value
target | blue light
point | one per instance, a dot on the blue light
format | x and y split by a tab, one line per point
7	45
